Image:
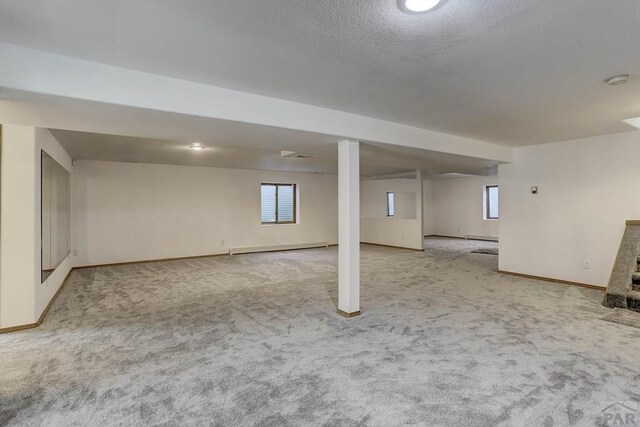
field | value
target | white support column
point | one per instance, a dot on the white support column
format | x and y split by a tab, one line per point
420	206
349	228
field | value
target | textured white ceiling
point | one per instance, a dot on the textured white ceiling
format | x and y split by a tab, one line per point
513	72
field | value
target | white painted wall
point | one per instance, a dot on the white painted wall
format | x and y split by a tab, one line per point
587	188
376	228
457	207
131	212
403	233
373	201
18	221
22	297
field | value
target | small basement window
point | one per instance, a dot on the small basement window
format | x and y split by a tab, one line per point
278	203
491	202
391	210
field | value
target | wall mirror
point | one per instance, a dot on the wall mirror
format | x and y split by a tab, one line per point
55	214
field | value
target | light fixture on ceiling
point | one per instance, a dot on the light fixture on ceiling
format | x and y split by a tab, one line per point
635	122
418	6
618	80
196	146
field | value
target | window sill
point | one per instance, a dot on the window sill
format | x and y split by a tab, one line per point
267	224
491	219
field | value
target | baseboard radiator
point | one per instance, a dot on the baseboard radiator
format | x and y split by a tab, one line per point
273	248
473	237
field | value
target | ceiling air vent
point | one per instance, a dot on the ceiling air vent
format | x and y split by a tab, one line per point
296	155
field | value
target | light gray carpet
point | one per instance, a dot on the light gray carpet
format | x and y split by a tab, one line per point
255	340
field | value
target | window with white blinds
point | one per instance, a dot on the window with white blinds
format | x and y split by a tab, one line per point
391	209
278	203
491	198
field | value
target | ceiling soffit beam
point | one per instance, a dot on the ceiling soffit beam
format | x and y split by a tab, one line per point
50	74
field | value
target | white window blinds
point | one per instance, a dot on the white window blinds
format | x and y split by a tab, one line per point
285	203
278	203
492	202
391	204
268	203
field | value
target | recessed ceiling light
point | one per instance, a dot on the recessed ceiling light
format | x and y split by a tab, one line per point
197	146
418	6
618	80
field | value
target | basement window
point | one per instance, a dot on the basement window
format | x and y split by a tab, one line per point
278	203
491	202
391	208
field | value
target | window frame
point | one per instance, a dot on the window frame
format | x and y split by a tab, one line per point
487	190
389	214
295	203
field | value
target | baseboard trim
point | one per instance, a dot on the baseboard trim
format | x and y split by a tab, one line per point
18	328
44	312
349	315
462	238
552	280
391	246
483	238
277	248
145	261
445	237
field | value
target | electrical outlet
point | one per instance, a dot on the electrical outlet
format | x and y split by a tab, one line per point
75	252
586	265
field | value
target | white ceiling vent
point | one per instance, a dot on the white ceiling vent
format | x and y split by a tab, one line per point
296	155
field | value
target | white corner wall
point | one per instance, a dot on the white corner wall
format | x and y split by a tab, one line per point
458	207
587	189
18	222
375	227
132	212
22	297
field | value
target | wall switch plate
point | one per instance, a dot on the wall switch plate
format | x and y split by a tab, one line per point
586	265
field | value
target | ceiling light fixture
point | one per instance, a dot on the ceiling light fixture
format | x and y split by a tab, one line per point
618	80
635	122
197	146
417	6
